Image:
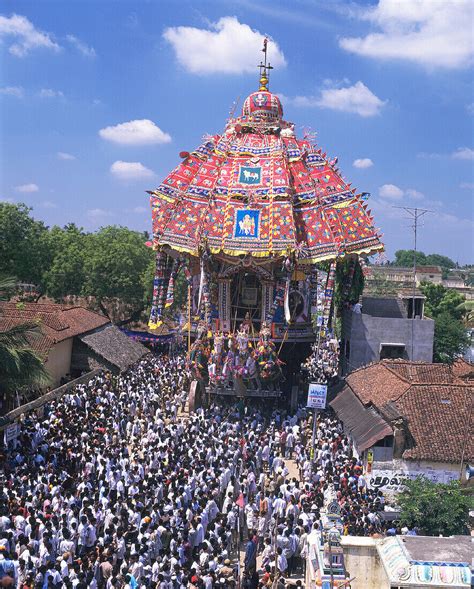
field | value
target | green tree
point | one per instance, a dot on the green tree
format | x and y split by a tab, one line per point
116	260
467	309
434	508
21	367
404	259
440	299
438	260
357	284
450	338
22	250
65	275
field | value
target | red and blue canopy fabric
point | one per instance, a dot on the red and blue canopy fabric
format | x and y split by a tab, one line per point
258	190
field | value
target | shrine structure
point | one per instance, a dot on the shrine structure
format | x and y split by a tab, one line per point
248	216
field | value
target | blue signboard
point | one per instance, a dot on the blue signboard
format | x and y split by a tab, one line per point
317	396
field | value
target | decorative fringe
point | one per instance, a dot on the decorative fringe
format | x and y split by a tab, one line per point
174	271
313	289
329	292
156	315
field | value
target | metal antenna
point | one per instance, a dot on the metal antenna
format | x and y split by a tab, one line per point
414	213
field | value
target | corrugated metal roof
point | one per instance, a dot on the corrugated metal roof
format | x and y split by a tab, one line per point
365	425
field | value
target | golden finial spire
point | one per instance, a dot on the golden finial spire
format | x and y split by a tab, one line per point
264	68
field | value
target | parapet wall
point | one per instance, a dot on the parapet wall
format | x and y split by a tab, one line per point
362	561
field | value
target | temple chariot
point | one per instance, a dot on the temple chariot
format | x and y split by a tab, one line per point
249	216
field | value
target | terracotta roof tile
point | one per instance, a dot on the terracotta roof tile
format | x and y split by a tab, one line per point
421	372
429	269
57	322
377	384
439	418
463	370
434	402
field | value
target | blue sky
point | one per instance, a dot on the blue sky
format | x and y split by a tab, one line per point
97	99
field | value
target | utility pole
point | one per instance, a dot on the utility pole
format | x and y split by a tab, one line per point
414	213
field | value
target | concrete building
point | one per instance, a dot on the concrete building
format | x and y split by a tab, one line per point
383	327
408	562
403	277
407	419
392	279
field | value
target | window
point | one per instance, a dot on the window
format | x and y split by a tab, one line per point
392	351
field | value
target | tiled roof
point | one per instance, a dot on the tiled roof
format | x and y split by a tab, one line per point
421	372
439	418
377	384
57	322
429	269
435	403
463	370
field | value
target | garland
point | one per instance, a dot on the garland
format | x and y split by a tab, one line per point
174	271
156	314
329	292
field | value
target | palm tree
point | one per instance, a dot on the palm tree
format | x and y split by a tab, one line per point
21	367
468	312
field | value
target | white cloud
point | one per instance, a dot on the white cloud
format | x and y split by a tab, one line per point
414	194
47	204
81	46
429	156
27	188
6	199
391	191
363	163
227	47
140	210
62	155
50	93
357	99
470	108
98	213
463	153
16	91
130	170
467	185
138	132
433	33
26	37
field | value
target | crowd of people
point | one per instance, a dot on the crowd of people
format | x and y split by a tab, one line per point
115	487
322	364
